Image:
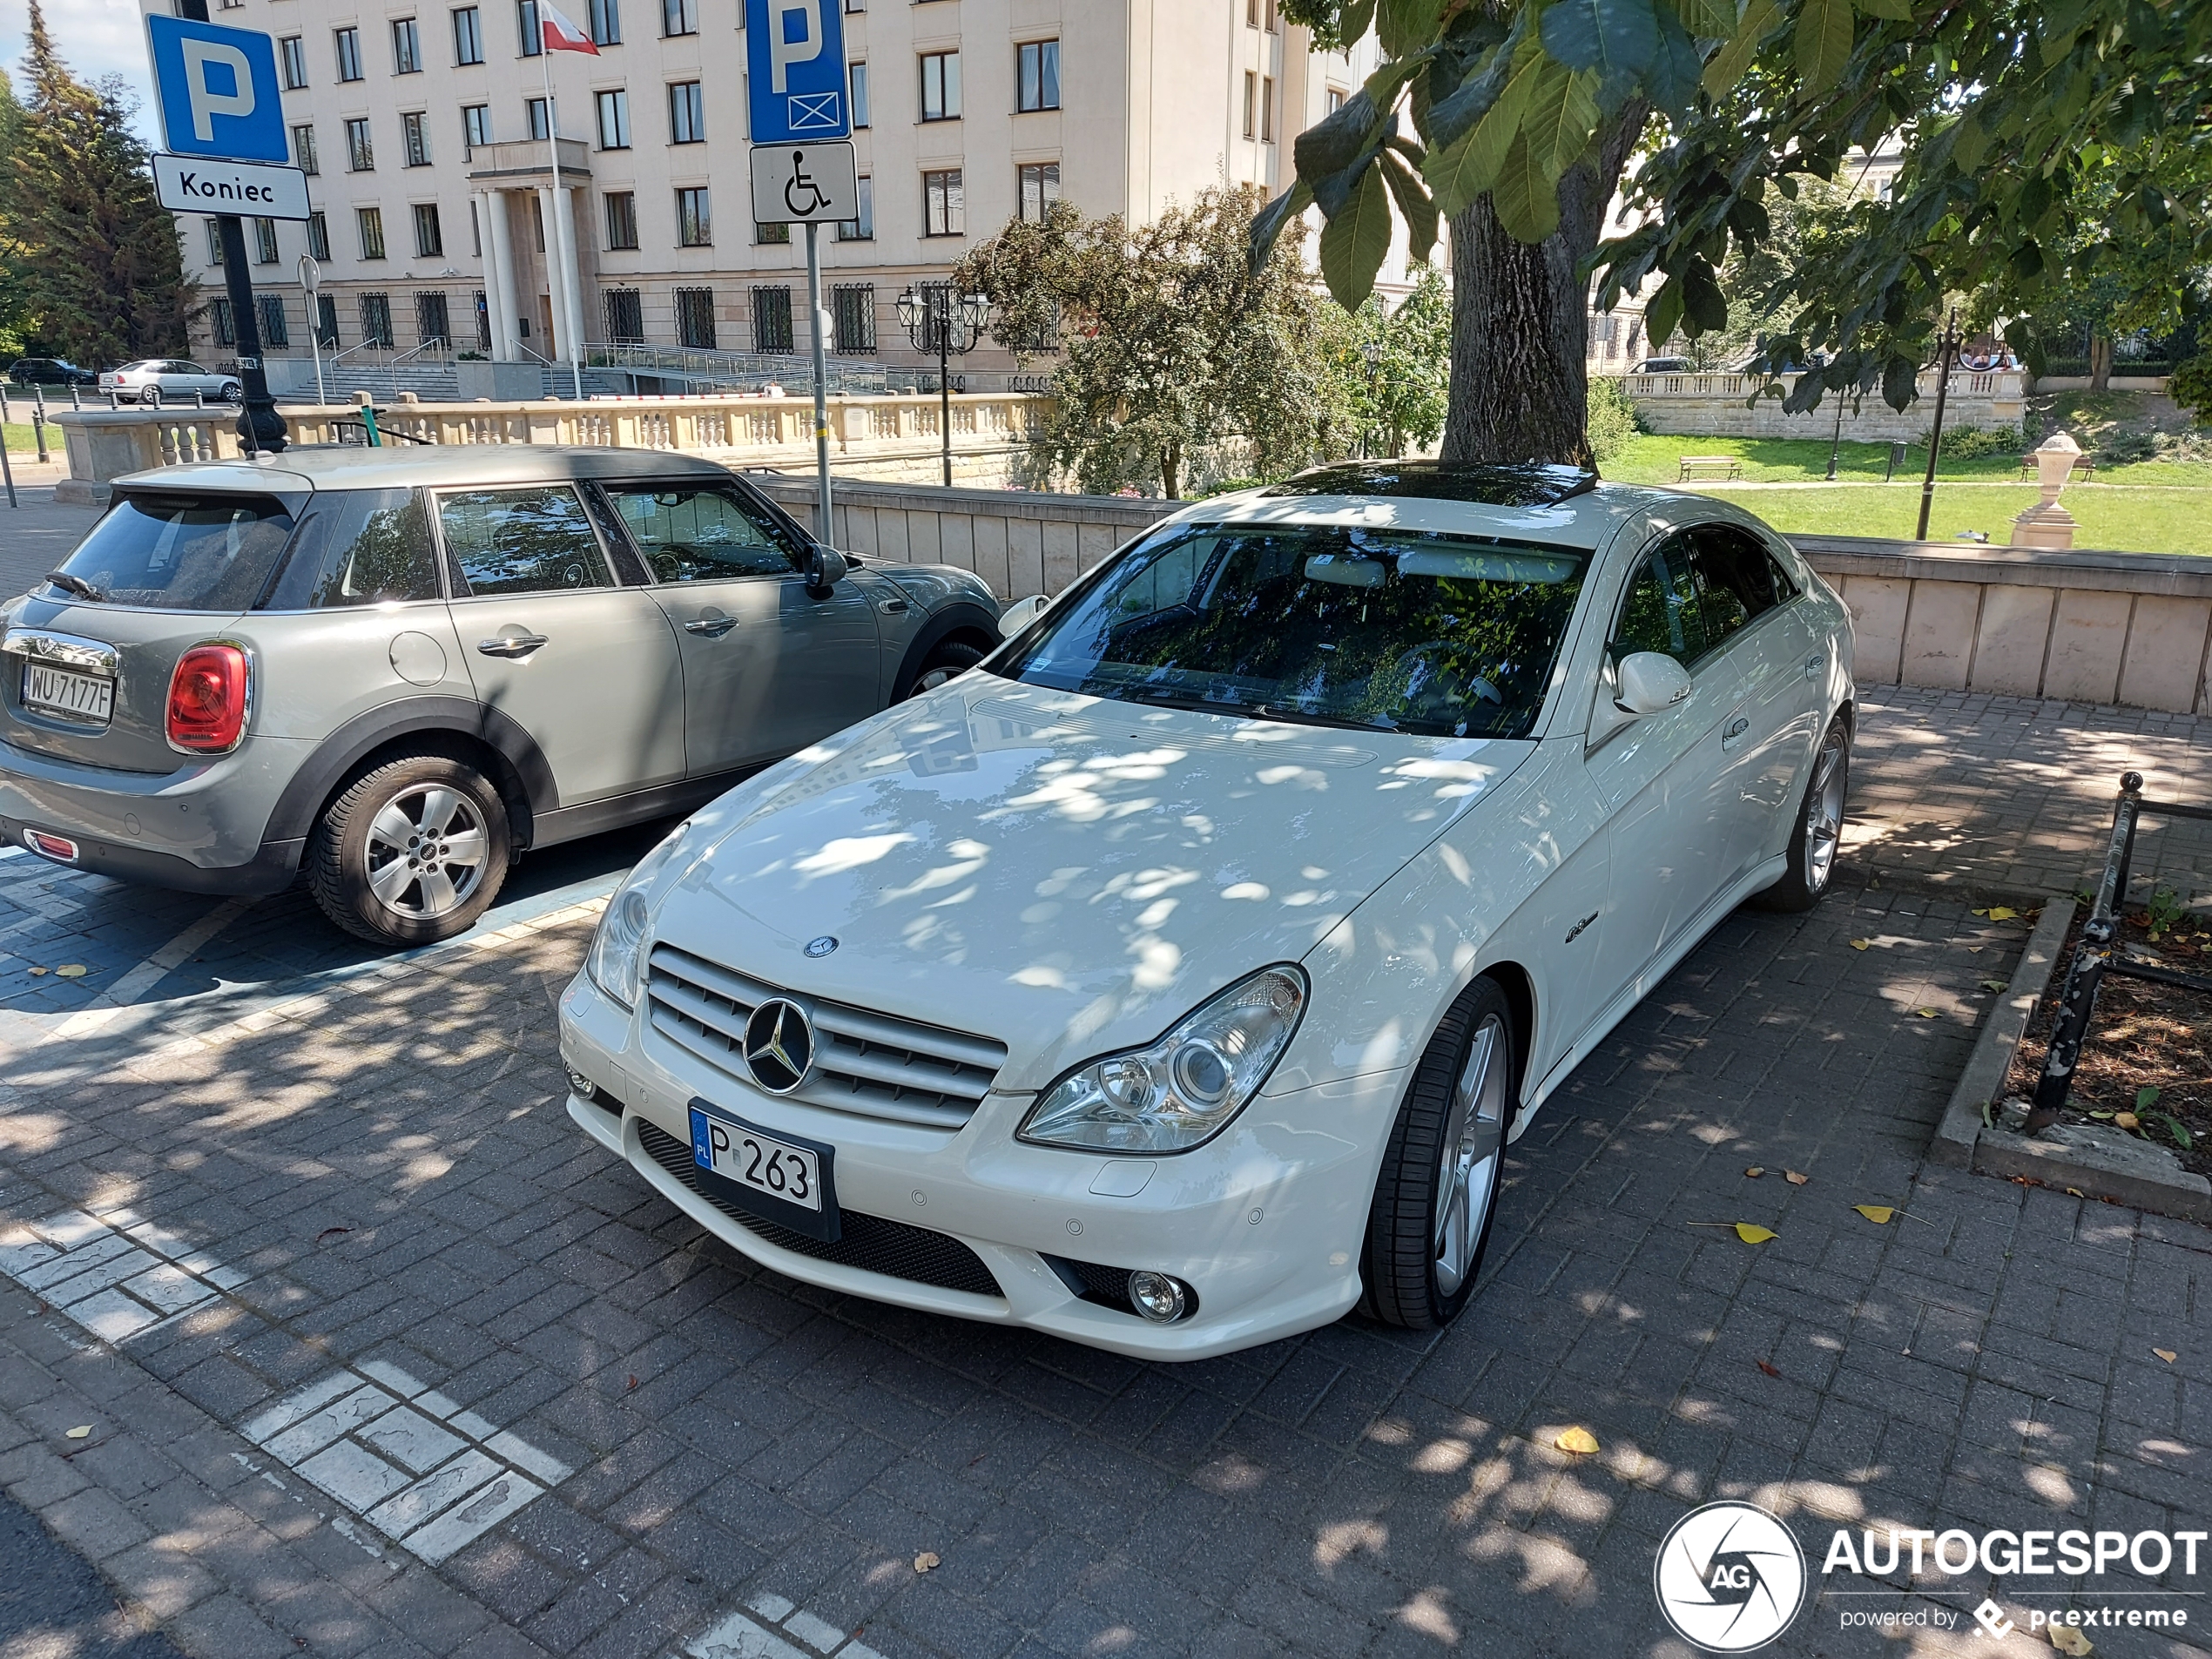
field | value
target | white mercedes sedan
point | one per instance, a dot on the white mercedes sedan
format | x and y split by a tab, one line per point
1174	980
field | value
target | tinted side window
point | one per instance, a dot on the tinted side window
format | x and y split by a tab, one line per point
1735	580
690	535
359	547
1661	611
534	540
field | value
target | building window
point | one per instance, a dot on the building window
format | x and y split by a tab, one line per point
622	219
1267	110
1336	99
1251	105
407	47
370	222
468	36
291	54
1273	22
695	318
944	207
606	23
218	316
1039	65
264	241
303	150
852	318
1040	183
318	237
483	323
534	110
349	54
614	119
1251	14
476	126
694	219
679	16
532	37
360	154
432	324
772	320
268	308
376	321
686	114
775	233
863	229
326	322
859	79
415	137
214	241
625	316
941	86
851	6
430	239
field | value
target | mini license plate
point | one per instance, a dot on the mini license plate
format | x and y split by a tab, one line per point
89	699
780	1177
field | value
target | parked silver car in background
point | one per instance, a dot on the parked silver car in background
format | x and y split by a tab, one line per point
156	380
395	669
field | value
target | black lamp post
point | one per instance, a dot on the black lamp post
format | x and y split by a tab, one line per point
937	319
1372	351
1946	355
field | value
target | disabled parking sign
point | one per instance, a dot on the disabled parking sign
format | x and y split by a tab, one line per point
216	89
795	70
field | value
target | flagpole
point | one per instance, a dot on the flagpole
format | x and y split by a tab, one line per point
561	249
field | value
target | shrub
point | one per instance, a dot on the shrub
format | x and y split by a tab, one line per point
2121	448
1984	440
1613	420
2190	386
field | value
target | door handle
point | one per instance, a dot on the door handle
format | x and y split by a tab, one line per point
511	645
1813	665
712	627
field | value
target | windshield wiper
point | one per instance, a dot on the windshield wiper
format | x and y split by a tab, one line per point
78	585
1299	717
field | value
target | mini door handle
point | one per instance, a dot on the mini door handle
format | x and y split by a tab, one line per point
894	607
1737	728
510	644
1813	665
712	627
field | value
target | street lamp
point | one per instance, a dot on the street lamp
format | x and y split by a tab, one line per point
937	319
1946	355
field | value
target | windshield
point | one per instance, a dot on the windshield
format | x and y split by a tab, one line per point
181	552
1397	631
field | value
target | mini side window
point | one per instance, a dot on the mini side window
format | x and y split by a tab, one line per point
688	534
359	547
531	540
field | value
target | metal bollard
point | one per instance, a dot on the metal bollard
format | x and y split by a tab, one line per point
199	400
74	402
2086	976
38	419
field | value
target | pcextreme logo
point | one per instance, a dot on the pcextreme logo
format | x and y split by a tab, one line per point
1730	1577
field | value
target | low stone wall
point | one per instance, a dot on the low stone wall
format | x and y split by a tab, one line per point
1721	406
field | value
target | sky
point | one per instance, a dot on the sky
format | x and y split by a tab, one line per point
96	38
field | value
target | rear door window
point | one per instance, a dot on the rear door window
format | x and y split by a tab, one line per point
184	552
359	547
1736	581
688	534
535	539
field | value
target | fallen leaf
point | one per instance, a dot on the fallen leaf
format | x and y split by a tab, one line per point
1926	1013
1770	1370
1756	1171
2069	1641
71	970
633	1382
37	973
1975	950
1999	912
331	1232
1794	1178
2126	1120
1577	1439
2167	1354
2074	1192
1993	985
2106	1116
1879	1214
1751	1233
924	1562
1861	944
82	1432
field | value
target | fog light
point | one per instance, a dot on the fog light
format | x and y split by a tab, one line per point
580	1085
1156	1297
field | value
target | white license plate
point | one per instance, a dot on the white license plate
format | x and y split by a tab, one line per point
88	698
774	1168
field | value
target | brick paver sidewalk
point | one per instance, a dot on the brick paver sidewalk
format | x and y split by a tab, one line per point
294	1273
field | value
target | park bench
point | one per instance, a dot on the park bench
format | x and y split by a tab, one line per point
2084	467
1709	467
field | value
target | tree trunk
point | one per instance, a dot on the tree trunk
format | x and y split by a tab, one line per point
1521	320
2100	362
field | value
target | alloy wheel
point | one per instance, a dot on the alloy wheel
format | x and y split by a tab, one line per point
426	851
1473	1151
1825	810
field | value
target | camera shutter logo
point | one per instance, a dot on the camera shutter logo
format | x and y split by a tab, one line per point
1730	1577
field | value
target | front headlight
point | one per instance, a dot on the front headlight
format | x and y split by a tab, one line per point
616	959
1181	1091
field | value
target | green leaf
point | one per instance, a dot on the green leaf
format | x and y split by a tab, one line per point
1895	11
1824	42
1353	21
1663	315
1708	19
1733	61
1453	116
1561	116
1462	172
1971	144
2179	1130
1356	241
2146	1098
1336	144
1405	26
1412	200
1268	223
1671	81
1612	36
1527	199
1706	306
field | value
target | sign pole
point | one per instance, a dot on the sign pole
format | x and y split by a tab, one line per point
824	526
562	249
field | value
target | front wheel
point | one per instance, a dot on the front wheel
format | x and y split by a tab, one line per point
1819	832
151	397
232	393
1437	1195
411	853
946	660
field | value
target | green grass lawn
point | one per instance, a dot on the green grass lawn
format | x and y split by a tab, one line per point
21	440
1652	459
2126	518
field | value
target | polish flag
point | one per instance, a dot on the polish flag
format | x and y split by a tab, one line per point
560	34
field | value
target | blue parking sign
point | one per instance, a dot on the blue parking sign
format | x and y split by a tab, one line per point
795	66
216	89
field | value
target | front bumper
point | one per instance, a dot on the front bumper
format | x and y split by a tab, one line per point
1265	1222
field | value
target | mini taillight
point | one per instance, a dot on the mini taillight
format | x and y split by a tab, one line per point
207	699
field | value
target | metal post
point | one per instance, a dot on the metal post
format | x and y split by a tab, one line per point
1836	443
824	525
7	472
2078	1005
945	383
75	402
38	419
564	248
1944	352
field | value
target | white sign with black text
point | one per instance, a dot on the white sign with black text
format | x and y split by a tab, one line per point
795	182
252	189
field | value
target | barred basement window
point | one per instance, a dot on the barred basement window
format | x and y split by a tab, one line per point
772	320
695	318
625	316
327	321
852	318
218	312
376	321
432	324
269	309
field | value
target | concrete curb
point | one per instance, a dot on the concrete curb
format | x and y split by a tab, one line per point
1962	1140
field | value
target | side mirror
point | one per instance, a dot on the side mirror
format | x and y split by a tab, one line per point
825	567
1651	682
1021	614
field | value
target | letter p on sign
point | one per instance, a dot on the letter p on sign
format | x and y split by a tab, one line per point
206	103
783	50
217	90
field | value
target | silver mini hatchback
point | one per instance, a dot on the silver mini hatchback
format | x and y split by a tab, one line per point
389	671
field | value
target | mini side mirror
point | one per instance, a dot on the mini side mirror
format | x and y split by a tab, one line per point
1021	614
1651	682
825	567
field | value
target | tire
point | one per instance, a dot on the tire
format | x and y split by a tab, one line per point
947	658
1437	1195
1819	834
362	857
151	397
232	393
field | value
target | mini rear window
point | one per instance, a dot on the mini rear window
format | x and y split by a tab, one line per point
202	552
359	547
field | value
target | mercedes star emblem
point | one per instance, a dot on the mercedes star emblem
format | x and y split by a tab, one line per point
823	946
779	1045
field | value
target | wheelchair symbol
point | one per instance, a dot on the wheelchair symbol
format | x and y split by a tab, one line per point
801	194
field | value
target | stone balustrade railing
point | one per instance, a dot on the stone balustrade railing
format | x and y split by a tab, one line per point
1722	405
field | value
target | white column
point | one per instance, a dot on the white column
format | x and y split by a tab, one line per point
556	273
572	263
499	285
